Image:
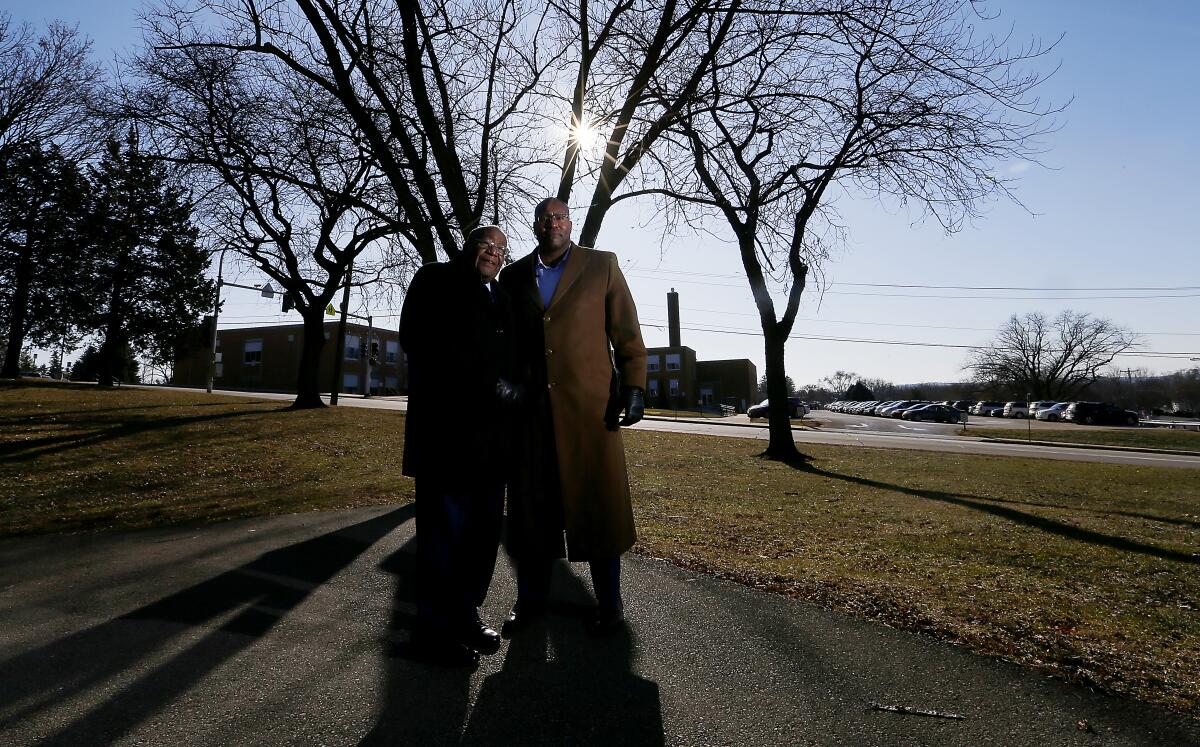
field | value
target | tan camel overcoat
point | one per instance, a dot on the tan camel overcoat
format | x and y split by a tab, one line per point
571	354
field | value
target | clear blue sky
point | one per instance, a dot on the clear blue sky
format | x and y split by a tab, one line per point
1117	210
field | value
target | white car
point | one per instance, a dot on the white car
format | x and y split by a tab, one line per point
1041	404
1016	409
1054	413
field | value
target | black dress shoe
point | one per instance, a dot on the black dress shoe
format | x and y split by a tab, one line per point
478	636
522	616
606	622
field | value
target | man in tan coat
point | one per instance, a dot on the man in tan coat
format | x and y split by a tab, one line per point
581	357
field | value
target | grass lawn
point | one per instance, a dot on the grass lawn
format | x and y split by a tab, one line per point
1092	575
75	457
1154	438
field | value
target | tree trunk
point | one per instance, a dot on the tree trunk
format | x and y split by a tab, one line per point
781	446
601	202
308	386
112	349
20	308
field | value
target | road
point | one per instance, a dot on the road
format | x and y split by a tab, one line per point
291	630
847	430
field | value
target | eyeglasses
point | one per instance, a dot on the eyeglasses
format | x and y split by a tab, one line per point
496	250
546	219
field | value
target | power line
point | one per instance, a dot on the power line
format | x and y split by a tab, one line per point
658	323
667	277
948	287
881	324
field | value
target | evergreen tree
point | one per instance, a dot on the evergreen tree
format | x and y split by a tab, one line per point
858	392
45	278
88	367
150	269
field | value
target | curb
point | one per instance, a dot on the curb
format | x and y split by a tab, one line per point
1098	447
719	421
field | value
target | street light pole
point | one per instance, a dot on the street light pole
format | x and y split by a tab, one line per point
340	348
212	358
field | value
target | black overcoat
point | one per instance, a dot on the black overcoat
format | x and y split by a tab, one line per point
457	336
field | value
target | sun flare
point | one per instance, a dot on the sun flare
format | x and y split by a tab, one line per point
587	135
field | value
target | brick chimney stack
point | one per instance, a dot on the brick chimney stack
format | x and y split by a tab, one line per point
673	318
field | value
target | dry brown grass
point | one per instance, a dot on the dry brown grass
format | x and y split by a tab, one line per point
1089	571
75	457
1153	438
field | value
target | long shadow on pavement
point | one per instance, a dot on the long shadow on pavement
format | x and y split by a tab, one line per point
258	594
556	685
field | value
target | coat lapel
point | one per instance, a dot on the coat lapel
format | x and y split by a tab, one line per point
575	262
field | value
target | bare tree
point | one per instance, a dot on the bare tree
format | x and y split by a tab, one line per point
48	86
287	179
814	100
638	67
442	93
839	381
1051	359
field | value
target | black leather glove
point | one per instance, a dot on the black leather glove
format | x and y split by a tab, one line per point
510	394
632	401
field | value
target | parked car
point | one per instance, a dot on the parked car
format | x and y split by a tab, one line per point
1036	407
986	407
899	411
936	413
1099	413
1053	413
796	408
1016	409
893	407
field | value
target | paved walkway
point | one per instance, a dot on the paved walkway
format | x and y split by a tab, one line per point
285	631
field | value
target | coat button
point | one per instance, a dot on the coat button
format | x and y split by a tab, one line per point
546	318
550	385
549	351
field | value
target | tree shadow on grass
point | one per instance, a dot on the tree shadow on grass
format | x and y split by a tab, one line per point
556	686
28	450
257	595
76	414
986	505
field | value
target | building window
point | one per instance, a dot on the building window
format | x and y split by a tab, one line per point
674	390
291	338
350	383
393	351
706	395
652	387
652	363
252	353
351	347
672	361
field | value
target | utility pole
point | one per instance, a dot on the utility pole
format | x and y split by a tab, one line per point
366	355
1132	384
212	357
339	352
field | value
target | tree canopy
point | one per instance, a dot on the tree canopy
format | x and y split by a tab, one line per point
1050	358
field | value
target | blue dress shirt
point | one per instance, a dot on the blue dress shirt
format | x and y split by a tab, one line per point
548	276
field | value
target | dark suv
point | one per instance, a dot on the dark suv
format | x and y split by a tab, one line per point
1099	413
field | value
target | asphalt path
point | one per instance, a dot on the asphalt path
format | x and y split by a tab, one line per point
293	629
842	430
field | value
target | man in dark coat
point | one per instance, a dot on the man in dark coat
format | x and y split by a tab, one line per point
455	328
580	348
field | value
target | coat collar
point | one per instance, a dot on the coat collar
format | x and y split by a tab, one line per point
571	272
